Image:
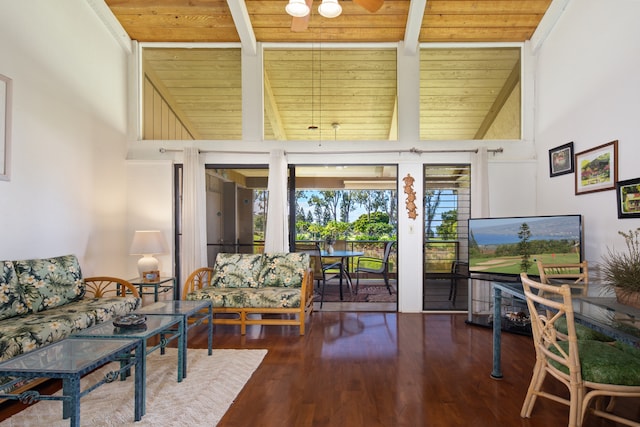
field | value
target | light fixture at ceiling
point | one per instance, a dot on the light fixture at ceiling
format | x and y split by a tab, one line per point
330	8
297	8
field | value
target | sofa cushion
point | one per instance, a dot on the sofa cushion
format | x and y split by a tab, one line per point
283	269
220	297
236	270
50	282
12	302
20	334
268	297
271	297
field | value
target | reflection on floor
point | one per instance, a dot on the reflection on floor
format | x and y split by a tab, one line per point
437	294
356	306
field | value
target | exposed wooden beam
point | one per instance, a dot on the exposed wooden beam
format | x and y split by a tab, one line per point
548	21
414	23
272	112
243	25
501	99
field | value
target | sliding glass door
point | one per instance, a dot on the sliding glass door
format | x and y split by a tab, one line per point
447	207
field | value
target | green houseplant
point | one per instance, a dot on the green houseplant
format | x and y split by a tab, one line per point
621	270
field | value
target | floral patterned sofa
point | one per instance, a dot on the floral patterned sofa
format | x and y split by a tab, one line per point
45	300
250	289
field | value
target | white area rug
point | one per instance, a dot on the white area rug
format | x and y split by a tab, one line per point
201	399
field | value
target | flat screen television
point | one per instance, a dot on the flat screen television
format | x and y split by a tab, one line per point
498	247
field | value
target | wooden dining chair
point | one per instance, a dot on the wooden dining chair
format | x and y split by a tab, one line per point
589	369
576	275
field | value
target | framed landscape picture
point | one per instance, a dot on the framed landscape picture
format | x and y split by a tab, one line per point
596	169
628	196
561	160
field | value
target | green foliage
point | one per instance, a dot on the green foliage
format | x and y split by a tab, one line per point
448	229
364	221
622	269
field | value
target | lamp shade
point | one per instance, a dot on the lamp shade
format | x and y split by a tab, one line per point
330	8
297	8
147	244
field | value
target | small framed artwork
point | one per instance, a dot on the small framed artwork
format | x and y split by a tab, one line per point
150	276
561	160
5	127
596	169
628	195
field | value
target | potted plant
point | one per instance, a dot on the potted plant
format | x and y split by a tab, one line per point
621	270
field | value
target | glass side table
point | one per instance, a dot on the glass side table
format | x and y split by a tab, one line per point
194	313
163	284
69	360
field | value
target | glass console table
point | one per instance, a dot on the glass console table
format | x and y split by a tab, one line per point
603	314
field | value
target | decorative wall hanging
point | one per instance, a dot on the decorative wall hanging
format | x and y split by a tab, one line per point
596	169
411	196
628	195
5	127
561	160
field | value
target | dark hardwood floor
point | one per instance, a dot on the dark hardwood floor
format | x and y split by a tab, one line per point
387	370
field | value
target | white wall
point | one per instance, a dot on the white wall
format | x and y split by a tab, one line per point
587	91
67	192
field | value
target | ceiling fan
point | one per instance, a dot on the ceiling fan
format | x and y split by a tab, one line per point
301	10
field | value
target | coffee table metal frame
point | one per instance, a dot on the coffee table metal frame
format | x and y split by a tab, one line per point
155	325
69	360
193	311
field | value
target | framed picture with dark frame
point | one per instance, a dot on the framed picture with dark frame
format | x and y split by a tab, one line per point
628	196
596	169
561	160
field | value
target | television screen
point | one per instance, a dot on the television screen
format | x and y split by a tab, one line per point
505	247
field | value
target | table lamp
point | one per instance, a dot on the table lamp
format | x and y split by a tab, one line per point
148	244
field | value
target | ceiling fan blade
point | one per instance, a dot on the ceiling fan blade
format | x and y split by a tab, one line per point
370	5
301	24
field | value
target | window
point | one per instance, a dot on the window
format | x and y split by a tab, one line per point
470	93
191	94
330	94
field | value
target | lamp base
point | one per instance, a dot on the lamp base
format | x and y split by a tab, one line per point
147	263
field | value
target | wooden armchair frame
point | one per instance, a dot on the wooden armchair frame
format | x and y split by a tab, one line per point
198	279
102	286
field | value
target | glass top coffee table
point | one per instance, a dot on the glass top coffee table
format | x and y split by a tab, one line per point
69	360
194	313
160	326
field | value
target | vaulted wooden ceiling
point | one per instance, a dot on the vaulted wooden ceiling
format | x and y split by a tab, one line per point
455	110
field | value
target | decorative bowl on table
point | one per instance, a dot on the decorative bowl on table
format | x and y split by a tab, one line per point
130	321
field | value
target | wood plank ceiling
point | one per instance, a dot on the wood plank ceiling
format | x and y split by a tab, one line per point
462	91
